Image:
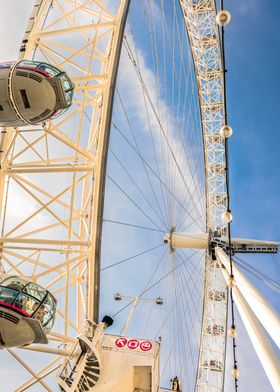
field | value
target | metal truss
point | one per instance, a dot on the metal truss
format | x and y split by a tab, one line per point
200	19
52	177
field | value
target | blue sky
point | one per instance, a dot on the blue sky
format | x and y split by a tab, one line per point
253	62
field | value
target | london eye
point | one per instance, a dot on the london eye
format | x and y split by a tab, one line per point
120	268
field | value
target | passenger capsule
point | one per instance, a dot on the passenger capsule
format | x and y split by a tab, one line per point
227	216
226	131
223	18
32	92
27	312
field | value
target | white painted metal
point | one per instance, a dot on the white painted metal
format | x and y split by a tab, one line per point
135	303
262	309
200	19
59	167
187	240
266	353
112	363
263	347
255	243
200	241
126	370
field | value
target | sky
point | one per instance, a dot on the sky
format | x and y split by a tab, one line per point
253	61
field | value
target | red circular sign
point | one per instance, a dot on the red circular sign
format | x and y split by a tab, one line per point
121	342
133	344
146	346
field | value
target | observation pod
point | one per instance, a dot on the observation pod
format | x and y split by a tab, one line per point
27	312
32	92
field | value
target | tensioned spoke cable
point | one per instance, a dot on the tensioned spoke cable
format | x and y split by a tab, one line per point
132	225
181	314
190	324
131	257
196	115
258	274
140	155
276	260
132	201
190	278
137	186
188	294
150	130
155	271
147	112
157	282
195	187
191	272
147	285
138	72
160	180
177	331
157	78
193	83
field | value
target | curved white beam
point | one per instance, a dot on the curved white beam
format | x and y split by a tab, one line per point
263	310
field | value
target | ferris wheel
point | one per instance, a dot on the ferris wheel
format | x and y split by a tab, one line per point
117	266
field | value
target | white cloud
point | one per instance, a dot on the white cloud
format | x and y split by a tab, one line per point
13	20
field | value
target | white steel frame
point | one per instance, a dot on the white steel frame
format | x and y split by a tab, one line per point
200	19
77	207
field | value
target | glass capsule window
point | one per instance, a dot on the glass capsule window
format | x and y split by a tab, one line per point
29	64
46	313
6	65
14	283
36	291
30	299
39	66
51	71
7	295
26	304
68	88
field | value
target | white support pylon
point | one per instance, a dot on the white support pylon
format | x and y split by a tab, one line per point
263	347
263	310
